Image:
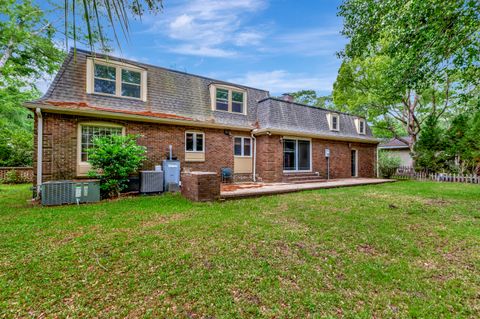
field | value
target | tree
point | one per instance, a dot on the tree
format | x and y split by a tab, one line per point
113	159
463	145
310	97
27	47
429	149
16	128
363	87
407	61
425	40
27	52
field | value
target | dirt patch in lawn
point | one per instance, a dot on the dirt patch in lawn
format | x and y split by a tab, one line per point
162	219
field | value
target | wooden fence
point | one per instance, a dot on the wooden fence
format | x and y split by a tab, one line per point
407	172
20	175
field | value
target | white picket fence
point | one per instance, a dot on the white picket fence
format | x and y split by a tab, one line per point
405	172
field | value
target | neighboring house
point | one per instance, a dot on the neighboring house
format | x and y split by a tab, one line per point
398	148
210	124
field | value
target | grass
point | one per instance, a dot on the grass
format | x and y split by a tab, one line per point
407	249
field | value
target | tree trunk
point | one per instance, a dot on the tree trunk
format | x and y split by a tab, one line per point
7	54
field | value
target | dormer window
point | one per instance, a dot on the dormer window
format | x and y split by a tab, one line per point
228	99
361	126
116	79
333	121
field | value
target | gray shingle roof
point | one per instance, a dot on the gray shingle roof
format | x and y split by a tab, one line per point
395	143
289	116
168	91
171	92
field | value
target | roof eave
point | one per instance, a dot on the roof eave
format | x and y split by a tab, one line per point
370	140
133	117
393	147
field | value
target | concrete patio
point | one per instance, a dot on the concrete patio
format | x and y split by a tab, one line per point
241	190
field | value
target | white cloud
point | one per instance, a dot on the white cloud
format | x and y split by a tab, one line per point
208	28
248	38
203	51
281	81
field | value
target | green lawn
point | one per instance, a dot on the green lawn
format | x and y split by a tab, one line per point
407	249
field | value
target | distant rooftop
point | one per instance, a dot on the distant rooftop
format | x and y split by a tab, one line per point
395	143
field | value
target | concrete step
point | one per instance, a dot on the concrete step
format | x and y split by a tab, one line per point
313	180
301	178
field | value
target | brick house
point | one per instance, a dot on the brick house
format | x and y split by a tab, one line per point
210	124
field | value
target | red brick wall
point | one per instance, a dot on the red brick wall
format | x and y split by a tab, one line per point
201	186
60	150
270	158
60	145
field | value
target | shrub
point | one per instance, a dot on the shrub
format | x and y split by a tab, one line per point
387	164
113	159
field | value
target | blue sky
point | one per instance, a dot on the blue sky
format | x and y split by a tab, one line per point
278	45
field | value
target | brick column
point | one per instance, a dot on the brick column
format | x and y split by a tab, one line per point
201	186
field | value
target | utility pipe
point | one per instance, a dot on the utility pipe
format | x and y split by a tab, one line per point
254	156
39	150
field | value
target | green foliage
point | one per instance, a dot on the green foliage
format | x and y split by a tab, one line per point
113	159
27	47
16	127
462	143
430	147
387	164
407	61
310	97
424	39
27	53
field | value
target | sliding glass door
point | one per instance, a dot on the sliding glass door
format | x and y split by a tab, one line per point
296	155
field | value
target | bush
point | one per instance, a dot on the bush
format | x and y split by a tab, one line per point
113	159
387	164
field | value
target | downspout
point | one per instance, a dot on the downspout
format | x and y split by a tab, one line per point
254	156
39	150
378	165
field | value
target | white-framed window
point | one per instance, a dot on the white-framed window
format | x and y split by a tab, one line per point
361	126
194	142
242	146
88	131
116	79
333	121
229	99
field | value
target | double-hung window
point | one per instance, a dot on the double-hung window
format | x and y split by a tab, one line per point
116	79
131	83
242	146
229	100
222	100
105	79
194	142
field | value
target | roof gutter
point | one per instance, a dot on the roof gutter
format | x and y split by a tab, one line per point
39	150
134	117
370	140
393	147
